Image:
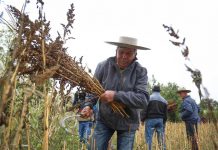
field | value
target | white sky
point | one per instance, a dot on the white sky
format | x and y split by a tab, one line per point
97	21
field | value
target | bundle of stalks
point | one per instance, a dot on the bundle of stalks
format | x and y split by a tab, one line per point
38	56
172	106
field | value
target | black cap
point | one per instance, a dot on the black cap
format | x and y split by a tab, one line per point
156	88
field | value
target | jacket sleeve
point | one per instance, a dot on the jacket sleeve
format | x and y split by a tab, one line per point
92	100
165	114
138	97
187	110
98	74
99	71
185	114
143	115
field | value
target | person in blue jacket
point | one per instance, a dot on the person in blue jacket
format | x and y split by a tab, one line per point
125	82
189	111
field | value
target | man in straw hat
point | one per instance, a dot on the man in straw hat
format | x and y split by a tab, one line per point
189	114
125	82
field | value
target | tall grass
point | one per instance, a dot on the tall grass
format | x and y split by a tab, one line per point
176	137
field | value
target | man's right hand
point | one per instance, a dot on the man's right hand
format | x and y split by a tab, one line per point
86	112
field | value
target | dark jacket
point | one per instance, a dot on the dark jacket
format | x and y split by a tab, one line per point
79	98
157	108
189	110
130	86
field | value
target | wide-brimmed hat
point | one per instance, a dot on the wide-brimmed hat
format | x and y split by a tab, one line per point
128	42
183	90
156	88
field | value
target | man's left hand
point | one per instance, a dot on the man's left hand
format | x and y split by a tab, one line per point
107	96
86	112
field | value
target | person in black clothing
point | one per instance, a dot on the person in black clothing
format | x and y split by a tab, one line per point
85	124
155	118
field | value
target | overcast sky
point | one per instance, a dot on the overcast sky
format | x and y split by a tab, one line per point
97	21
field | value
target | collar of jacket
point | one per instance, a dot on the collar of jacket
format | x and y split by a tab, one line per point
155	93
186	97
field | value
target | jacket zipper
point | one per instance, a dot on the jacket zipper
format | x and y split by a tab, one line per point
121	77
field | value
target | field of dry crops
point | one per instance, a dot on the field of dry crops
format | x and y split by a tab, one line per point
176	137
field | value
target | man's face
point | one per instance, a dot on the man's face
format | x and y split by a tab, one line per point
182	94
125	56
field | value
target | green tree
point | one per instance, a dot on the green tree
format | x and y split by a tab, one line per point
169	92
209	109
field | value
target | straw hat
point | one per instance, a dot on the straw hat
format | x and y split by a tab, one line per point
128	42
183	90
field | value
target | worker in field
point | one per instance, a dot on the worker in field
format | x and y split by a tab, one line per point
155	118
125	83
85	124
189	114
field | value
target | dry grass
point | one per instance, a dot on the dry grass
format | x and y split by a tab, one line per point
176	137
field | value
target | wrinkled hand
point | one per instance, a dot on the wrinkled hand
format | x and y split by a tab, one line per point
107	96
86	112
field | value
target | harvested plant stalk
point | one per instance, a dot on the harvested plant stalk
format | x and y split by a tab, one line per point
53	61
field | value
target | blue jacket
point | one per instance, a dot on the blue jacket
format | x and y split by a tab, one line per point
130	86
189	110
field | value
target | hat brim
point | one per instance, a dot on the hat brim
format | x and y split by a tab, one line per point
187	91
128	45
